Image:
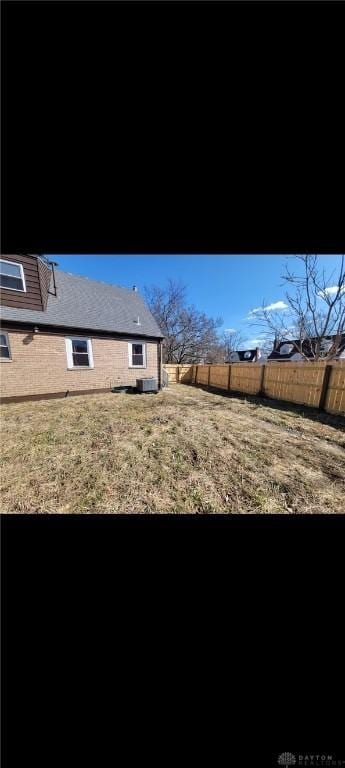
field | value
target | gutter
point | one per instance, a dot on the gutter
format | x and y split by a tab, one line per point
63	329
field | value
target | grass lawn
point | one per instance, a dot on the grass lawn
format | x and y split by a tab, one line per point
184	450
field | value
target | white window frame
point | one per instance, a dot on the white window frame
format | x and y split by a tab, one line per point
15	264
6	359
130	353
69	353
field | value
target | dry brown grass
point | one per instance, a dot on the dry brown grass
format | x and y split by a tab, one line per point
184	450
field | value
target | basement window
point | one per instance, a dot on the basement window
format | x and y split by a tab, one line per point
4	347
137	354
79	353
12	276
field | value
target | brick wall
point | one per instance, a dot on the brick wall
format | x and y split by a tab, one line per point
39	365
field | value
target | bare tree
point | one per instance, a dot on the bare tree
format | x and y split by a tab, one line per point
232	341
189	334
315	310
215	353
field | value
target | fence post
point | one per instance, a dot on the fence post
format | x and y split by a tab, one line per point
177	374
196	373
209	375
324	388
262	382
229	378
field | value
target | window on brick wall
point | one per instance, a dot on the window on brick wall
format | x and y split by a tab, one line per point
79	353
137	354
5	353
12	276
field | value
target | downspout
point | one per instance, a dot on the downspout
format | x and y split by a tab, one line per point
51	264
53	271
159	352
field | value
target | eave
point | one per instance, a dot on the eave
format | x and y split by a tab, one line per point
17	325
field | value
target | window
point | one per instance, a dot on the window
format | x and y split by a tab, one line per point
79	353
4	347
12	276
325	345
286	349
137	354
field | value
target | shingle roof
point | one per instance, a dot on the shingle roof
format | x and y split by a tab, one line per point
245	355
308	347
90	304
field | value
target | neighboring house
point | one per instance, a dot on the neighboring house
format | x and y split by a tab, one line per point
64	334
247	356
287	351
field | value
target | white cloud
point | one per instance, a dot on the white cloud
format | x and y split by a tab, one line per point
258	341
331	290
270	307
254	342
230	330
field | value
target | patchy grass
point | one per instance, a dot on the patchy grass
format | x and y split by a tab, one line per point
184	450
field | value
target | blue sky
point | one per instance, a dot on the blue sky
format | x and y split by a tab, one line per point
226	286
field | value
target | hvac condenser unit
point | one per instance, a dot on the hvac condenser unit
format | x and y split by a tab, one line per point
147	385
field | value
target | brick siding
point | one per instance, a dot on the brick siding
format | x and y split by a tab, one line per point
39	365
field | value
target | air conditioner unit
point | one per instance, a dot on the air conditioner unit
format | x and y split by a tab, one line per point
147	385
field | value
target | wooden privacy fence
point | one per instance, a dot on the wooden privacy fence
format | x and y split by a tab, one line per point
318	385
178	373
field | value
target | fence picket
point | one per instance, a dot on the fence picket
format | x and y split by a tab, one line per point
317	385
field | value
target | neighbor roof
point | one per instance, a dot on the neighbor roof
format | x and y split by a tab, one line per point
308	347
90	304
245	355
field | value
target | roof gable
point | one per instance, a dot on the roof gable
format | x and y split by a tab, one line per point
285	350
244	356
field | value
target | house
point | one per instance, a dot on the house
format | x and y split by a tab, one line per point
247	356
288	350
62	334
